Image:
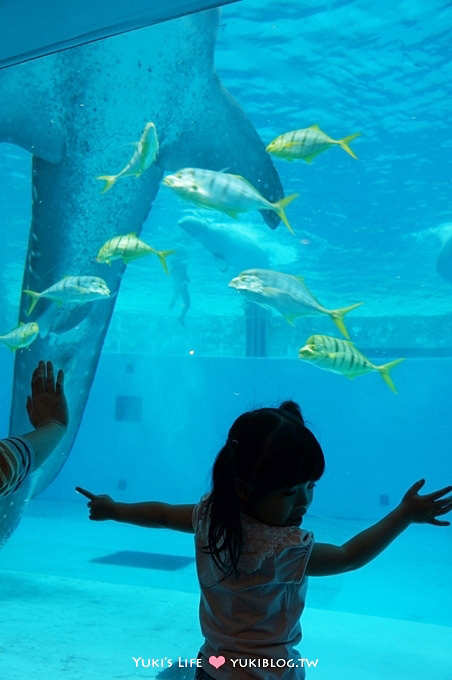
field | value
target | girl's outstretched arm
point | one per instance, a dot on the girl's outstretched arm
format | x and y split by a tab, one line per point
150	514
329	559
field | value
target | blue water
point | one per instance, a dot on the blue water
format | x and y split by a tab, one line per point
85	598
369	230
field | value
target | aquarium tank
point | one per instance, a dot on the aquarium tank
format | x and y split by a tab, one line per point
207	210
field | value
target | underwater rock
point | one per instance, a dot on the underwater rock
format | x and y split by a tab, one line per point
77	112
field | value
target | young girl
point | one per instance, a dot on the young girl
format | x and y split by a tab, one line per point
252	557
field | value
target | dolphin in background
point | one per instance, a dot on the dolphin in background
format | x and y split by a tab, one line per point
228	244
76	112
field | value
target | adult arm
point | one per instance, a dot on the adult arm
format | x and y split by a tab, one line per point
47	410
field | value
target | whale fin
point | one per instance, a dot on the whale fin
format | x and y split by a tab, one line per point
70	143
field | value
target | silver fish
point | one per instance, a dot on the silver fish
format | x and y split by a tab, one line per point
22	336
232	194
128	247
72	289
287	294
146	152
307	143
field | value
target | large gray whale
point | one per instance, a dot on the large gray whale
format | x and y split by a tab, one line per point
76	112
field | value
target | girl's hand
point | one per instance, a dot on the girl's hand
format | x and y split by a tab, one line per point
425	509
100	507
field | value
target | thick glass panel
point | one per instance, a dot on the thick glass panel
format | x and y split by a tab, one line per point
265	193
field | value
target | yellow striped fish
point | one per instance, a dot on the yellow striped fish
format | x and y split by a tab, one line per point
341	356
72	289
22	336
231	194
307	143
146	152
287	294
129	247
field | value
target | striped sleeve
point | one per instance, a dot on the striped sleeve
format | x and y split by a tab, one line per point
16	459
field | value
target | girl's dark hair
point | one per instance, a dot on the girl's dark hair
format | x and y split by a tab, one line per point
268	448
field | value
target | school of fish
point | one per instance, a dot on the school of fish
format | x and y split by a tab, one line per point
232	195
